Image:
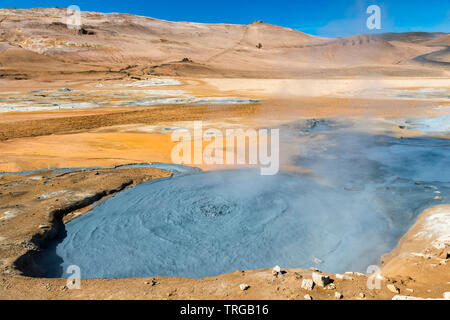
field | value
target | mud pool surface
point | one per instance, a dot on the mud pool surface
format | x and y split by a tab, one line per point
365	193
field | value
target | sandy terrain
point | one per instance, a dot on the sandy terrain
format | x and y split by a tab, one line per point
376	81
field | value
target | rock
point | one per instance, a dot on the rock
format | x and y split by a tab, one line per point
343	277
338	295
349	272
362	295
307	297
393	288
445	254
64	90
43	226
298	275
307	284
443	262
331	286
314	269
359	274
244	286
83	31
320	280
447	295
410	290
153	282
276	270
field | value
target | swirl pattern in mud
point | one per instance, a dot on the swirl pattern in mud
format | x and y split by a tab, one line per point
205	224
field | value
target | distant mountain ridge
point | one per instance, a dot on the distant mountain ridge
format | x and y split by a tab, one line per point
36	40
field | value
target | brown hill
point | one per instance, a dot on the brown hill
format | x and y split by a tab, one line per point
38	40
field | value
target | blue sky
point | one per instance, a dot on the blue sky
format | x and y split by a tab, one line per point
331	18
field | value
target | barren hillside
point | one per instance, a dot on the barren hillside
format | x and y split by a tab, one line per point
36	41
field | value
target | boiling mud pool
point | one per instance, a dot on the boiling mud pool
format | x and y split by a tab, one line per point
365	193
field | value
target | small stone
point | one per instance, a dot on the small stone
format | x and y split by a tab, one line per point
439	245
43	226
276	270
443	262
63	287
410	290
349	272
320	280
244	286
362	295
338	295
307	284
307	297
447	295
343	277
433	265
314	269
393	288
